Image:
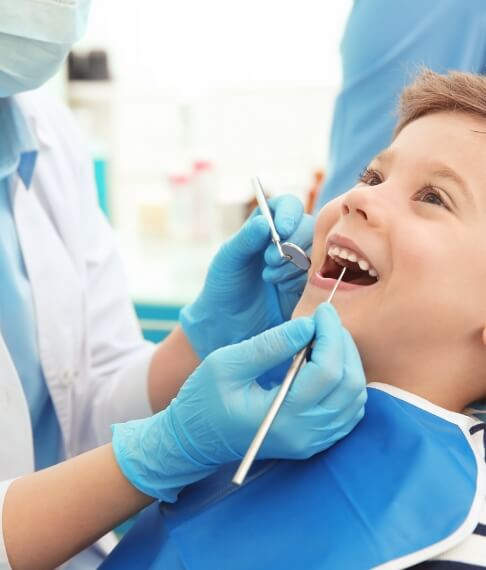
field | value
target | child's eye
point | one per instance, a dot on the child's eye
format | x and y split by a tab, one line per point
370	177
431	195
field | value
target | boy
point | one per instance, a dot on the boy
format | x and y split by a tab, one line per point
408	484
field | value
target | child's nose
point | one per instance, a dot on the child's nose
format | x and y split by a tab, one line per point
360	202
346	209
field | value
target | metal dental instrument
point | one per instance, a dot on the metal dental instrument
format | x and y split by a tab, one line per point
299	359
287	250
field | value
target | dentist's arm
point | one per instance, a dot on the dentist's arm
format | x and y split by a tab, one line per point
51	515
55	513
172	363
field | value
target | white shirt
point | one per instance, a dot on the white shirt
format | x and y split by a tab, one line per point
93	356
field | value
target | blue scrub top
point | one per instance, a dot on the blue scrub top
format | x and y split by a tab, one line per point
18	153
383	47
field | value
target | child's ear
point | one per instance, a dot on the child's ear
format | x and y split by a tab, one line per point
483	336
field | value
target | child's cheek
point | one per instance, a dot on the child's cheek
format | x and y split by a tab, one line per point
327	218
421	258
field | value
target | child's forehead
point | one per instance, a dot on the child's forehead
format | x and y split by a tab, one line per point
456	139
444	127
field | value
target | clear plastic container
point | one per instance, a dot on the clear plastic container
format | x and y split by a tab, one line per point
181	207
204	192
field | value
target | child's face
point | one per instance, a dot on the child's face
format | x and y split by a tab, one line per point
418	216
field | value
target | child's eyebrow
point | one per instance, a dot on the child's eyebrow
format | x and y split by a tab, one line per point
444	171
384	156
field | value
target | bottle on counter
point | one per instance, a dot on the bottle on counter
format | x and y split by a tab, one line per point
204	195
181	207
314	191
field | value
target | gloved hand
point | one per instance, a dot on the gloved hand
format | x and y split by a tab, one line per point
220	407
235	302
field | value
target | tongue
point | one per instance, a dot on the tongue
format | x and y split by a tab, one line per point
358	277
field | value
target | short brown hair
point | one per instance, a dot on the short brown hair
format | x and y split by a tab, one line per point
431	92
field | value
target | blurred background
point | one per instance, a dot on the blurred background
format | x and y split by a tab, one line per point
181	103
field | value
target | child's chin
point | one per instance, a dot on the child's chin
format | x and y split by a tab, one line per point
303	309
311	298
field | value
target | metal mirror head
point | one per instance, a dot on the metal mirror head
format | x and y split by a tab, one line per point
296	255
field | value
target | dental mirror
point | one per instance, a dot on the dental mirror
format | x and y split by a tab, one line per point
287	250
296	255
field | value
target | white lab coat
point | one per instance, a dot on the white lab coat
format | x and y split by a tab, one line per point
93	356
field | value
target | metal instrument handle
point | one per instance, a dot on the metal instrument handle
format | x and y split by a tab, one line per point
299	359
265	208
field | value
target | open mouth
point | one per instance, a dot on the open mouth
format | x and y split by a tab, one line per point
359	270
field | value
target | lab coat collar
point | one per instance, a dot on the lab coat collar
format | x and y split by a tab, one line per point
33	111
18	145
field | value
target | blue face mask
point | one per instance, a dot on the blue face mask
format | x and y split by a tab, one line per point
35	37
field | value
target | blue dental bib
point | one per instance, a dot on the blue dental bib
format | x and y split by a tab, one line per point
403	487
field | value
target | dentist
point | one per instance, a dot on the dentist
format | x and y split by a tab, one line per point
76	375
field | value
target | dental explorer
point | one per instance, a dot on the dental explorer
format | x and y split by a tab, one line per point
287	250
299	359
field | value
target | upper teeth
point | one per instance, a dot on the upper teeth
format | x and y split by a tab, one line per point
343	253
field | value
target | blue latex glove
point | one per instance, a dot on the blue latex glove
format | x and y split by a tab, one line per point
236	303
220	407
